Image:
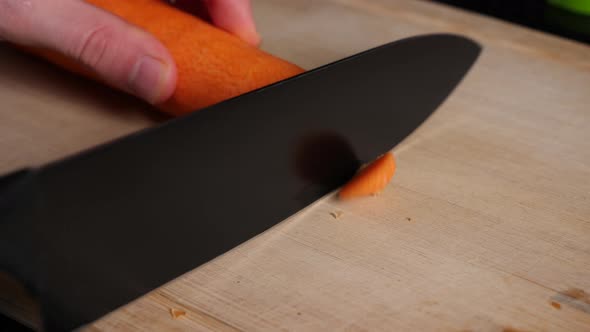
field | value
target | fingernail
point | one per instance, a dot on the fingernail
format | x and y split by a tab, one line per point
149	78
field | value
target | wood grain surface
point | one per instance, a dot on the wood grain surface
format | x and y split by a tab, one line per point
485	227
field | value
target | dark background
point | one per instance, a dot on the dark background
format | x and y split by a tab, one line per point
536	14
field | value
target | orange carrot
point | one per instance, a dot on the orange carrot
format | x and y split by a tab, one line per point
212	64
371	179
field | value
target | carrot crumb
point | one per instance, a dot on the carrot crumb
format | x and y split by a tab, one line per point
575	293
336	214
177	313
511	329
555	305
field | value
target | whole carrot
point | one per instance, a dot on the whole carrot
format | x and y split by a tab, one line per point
212	64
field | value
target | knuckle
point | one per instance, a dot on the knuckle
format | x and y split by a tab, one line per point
94	45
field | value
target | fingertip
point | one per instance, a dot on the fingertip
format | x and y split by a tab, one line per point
153	79
250	36
235	16
168	84
153	75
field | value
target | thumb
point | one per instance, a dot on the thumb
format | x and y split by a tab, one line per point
122	55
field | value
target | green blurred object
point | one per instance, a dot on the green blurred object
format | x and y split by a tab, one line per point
577	6
569	15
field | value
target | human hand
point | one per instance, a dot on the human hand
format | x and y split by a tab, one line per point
123	55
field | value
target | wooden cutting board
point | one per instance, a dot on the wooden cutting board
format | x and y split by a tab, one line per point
486	226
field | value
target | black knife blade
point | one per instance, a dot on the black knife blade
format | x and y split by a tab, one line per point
90	233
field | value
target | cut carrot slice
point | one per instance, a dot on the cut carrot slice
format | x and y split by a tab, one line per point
370	180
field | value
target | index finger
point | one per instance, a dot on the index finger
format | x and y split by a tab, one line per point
234	16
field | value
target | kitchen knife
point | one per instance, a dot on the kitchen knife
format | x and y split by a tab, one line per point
90	233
